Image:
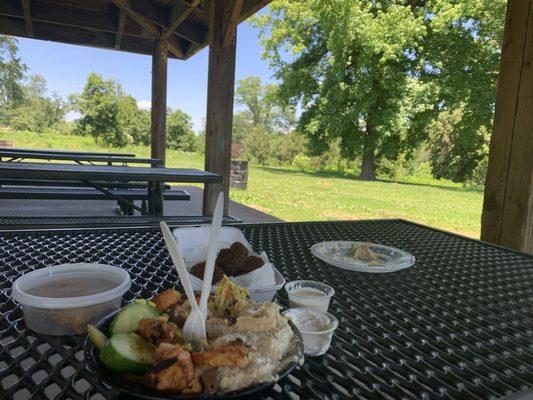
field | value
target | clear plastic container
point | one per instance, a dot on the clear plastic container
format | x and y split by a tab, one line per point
309	294
316	328
63	299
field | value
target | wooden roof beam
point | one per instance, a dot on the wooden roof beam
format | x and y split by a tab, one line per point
74	35
68	16
250	7
27	17
120	29
147	25
178	15
158	17
231	29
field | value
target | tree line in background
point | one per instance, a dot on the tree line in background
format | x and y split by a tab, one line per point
106	112
382	88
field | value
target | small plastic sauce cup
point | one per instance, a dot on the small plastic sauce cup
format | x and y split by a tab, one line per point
309	294
63	299
316	335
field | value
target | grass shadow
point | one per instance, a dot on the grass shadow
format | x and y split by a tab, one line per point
352	176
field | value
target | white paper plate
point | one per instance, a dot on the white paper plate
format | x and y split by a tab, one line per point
336	253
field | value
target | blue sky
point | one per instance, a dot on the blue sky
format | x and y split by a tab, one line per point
65	68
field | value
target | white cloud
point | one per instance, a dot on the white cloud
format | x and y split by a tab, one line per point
144	104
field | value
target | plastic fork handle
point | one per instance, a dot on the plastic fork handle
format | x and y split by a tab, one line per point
212	253
179	264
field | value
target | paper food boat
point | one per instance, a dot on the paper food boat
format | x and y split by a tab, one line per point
262	283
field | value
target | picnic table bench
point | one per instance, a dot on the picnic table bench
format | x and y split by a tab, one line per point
89	174
85	193
457	325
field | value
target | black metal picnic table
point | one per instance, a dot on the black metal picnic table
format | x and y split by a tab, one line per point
66	152
457	325
87	174
17	156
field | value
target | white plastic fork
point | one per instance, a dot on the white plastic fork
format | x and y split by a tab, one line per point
194	328
212	251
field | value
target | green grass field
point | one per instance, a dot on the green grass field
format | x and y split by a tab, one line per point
293	195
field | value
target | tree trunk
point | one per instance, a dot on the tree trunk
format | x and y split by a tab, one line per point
368	166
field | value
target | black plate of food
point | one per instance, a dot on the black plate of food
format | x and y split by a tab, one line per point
136	385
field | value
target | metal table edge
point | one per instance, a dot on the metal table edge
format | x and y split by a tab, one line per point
86	227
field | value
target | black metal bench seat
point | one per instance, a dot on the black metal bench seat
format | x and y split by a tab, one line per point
82	193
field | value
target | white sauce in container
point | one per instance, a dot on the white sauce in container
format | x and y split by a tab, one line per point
309	294
316	328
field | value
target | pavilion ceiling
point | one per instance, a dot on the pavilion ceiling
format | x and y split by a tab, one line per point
127	25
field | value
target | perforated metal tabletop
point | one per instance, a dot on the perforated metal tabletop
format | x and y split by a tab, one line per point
457	325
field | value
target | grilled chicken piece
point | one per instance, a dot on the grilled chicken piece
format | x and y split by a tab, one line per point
158	331
172	370
178	313
232	354
211	380
166	299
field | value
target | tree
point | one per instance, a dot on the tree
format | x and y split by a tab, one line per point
375	74
37	111
455	155
262	106
462	53
12	72
180	135
108	113
241	127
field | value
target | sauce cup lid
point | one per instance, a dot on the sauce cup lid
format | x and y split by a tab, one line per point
26	282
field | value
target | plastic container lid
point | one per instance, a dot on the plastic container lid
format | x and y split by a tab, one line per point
65	272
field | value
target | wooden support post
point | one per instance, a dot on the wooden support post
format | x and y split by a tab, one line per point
159	98
159	113
220	87
508	204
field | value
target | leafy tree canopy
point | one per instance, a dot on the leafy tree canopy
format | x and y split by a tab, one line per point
37	111
375	74
262	107
110	114
180	135
12	71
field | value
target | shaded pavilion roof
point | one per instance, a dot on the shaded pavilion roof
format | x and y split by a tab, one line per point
127	25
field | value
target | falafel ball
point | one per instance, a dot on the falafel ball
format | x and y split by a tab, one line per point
252	263
198	271
232	260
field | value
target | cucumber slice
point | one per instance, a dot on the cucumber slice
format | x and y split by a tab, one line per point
97	337
126	352
127	320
